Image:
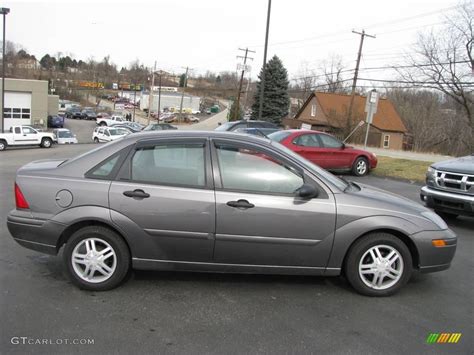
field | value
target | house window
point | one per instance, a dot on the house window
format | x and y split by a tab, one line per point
386	141
17	112
313	110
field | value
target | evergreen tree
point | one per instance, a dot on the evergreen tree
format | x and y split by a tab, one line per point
275	96
235	114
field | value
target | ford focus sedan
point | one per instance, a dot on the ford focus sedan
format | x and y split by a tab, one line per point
223	202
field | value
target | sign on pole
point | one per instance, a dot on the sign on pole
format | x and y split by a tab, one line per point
371	104
306	126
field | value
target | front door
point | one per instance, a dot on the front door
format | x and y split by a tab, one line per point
164	189
26	136
260	221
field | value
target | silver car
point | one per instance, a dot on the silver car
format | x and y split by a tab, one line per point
64	136
224	202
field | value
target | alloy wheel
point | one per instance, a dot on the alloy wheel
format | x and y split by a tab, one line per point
381	267
361	167
94	260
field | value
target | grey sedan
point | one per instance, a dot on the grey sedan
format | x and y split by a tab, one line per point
223	202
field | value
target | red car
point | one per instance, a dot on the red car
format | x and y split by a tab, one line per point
326	151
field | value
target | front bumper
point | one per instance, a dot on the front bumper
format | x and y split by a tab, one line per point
431	258
447	201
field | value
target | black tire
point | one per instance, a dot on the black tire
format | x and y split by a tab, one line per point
46	143
3	145
359	250
102	124
96	140
119	247
360	166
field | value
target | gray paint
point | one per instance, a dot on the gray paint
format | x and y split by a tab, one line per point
193	228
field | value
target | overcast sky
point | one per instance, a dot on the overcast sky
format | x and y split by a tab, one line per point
206	34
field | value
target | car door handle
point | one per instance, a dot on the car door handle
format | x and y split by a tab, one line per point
242	204
136	193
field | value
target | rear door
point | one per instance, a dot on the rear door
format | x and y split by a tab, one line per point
260	221
165	188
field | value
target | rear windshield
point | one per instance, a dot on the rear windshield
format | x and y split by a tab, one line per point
278	136
65	134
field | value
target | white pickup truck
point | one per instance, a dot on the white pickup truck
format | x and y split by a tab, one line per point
26	135
110	121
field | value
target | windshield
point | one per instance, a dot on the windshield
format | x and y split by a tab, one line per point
278	136
65	134
224	126
340	184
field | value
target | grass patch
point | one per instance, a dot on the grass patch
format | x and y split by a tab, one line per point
413	170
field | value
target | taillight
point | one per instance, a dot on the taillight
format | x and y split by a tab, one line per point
20	199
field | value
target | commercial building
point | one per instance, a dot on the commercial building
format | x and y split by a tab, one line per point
27	102
171	100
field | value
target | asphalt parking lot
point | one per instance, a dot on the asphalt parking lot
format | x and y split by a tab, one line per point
165	312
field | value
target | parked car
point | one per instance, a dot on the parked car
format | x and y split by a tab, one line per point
88	114
24	136
110	121
64	136
158	127
234	125
261	132
55	122
192	119
73	112
327	151
449	187
127	127
108	134
215	201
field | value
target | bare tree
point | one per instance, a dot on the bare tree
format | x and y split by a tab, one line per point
443	62
331	71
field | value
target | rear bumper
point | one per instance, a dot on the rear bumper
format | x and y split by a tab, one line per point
433	258
35	234
447	201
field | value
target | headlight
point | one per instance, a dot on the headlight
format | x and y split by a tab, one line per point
431	173
433	217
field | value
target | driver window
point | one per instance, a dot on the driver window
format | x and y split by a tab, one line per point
307	140
28	130
250	170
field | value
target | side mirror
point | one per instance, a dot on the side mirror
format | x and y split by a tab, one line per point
343	146
307	191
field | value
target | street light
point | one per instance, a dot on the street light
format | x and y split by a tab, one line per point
4	11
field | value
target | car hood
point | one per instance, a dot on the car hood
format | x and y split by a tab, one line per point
386	201
463	165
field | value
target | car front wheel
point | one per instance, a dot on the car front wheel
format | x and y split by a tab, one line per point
97	259
360	167
46	143
378	264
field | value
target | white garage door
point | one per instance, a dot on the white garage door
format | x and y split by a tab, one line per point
17	109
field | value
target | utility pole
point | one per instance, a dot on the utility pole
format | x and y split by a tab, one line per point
244	68
159	94
182	95
356	72
150	97
262	81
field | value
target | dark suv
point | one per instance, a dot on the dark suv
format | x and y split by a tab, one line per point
73	112
449	187
235	125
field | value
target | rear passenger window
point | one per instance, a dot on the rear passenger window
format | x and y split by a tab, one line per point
170	164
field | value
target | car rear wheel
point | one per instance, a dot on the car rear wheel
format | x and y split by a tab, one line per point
3	145
360	167
103	124
46	143
97	259
378	265
96	140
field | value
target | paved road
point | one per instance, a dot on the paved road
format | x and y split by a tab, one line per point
81	128
164	312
